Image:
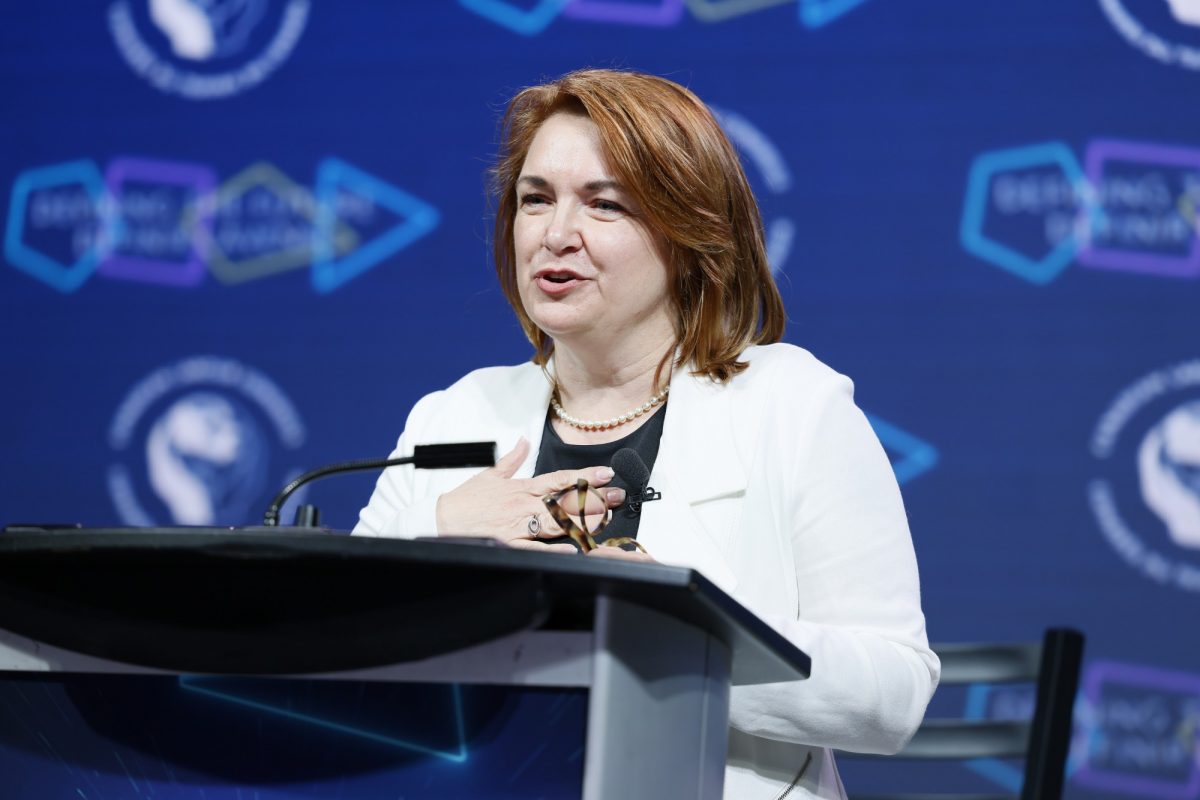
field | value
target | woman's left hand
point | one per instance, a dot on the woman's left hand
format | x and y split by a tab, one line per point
622	555
552	547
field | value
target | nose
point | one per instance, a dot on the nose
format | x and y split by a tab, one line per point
562	233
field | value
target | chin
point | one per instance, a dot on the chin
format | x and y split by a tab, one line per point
557	323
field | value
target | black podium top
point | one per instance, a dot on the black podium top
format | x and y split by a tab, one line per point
289	601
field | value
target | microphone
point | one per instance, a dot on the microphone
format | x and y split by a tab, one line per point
633	471
425	456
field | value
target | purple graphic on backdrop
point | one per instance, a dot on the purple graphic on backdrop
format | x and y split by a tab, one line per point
1143	738
660	14
1151	215
158	226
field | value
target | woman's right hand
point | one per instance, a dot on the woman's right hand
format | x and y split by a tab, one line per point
494	503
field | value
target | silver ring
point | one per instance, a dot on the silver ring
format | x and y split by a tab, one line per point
534	526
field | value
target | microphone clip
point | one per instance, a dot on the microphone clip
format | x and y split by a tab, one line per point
635	499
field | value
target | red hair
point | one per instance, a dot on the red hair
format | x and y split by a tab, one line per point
666	148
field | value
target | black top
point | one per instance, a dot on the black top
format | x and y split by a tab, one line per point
557	454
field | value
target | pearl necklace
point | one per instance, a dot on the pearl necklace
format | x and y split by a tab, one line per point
605	424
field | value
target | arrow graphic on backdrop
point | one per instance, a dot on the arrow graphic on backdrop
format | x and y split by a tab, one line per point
909	455
338	184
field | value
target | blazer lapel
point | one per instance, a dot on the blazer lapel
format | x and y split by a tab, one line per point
698	448
522	412
535	425
697	462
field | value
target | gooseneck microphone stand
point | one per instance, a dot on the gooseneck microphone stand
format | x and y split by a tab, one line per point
425	456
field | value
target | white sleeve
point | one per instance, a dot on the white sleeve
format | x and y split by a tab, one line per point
394	510
858	613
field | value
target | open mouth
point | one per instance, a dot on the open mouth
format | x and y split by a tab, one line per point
557	282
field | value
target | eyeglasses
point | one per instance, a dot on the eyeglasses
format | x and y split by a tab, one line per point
572	502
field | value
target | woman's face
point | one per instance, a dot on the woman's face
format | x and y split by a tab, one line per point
588	269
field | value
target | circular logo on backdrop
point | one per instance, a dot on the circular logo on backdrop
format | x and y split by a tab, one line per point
1146	496
206	49
205	441
1166	30
772	170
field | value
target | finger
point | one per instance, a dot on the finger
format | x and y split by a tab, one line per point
511	461
595	503
530	544
546	527
618	554
564	478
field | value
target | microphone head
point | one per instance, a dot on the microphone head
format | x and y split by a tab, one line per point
631	469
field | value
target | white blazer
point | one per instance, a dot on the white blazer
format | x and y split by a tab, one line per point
774	487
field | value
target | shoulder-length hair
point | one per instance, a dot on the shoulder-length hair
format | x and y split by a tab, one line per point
668	151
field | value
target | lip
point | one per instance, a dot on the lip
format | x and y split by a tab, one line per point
559	287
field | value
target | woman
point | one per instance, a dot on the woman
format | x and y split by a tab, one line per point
631	249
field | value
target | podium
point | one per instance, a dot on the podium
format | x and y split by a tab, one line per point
654	648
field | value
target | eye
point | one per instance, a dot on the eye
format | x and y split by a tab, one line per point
608	206
532	200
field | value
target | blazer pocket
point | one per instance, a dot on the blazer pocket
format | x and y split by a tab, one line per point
691	533
720	518
715	534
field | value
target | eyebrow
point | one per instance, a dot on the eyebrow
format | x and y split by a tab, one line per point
591	186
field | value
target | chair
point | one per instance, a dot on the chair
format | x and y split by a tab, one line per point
1053	664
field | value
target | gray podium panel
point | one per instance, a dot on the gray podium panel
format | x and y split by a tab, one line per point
659	707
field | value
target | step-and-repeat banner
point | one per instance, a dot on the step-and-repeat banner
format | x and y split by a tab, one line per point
242	237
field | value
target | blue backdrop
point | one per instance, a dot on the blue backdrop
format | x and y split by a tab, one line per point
243	237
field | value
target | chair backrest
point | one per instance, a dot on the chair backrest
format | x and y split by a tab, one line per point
1053	665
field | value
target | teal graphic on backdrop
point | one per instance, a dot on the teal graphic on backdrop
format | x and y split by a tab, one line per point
55	219
174	223
1034	190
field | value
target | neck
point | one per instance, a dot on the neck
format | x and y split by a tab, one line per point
605	383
